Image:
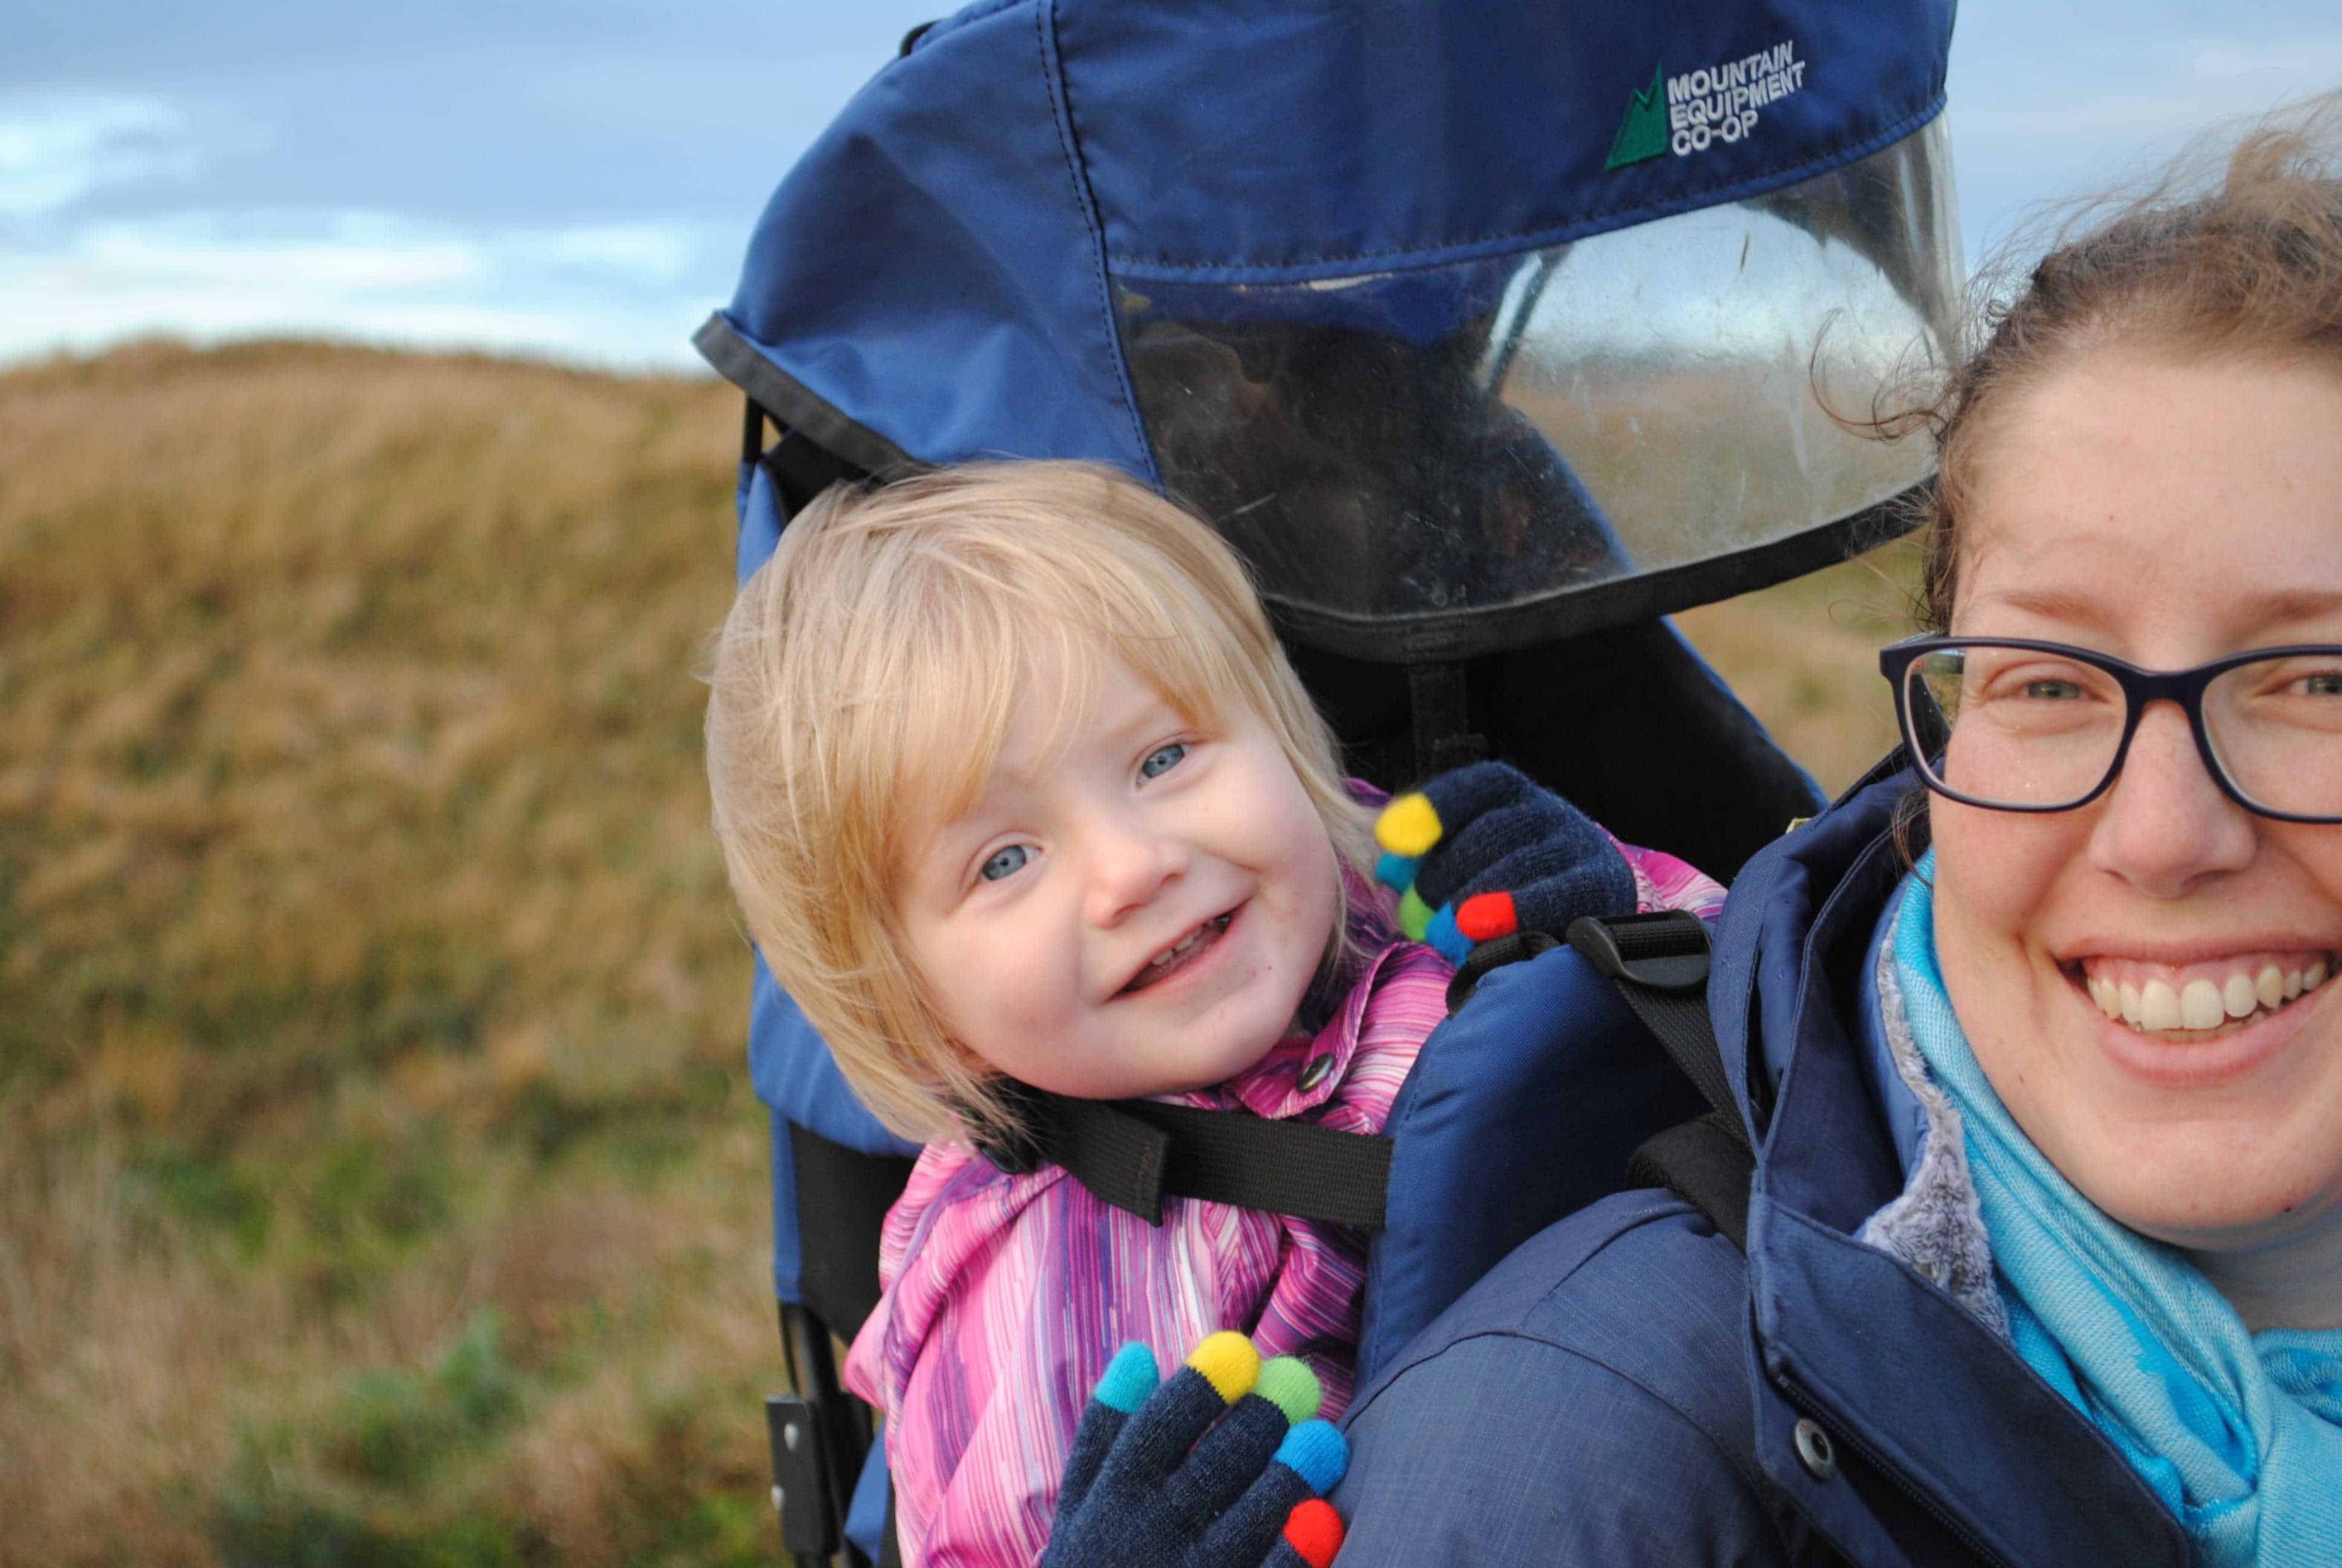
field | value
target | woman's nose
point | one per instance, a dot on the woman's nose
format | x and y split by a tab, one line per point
2165	823
1129	863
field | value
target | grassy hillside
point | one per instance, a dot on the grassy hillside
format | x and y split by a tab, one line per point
379	1179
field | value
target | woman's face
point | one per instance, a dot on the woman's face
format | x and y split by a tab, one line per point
2167	513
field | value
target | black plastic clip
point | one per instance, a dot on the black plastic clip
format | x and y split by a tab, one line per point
1667	950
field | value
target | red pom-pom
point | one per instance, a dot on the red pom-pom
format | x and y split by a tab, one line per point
1484	917
1315	1530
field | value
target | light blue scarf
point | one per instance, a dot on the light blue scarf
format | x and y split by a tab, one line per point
2241	1434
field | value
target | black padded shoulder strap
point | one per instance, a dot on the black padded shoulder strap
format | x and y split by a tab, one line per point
1134	1154
1660	965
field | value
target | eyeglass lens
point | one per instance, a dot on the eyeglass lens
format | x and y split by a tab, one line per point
2019	726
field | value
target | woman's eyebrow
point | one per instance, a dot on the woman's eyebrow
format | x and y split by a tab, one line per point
2252	612
2065	604
2293	606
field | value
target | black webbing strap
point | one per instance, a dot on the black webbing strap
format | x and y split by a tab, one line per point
1439	709
1134	1154
1518	947
800	467
1659	964
1707	1163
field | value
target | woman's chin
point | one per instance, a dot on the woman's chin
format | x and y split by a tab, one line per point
2211	1185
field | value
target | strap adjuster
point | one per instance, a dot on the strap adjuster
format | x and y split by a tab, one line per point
1667	950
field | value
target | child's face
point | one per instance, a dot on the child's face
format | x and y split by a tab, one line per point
1137	913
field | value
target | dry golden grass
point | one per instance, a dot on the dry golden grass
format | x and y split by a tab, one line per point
379	1182
367	988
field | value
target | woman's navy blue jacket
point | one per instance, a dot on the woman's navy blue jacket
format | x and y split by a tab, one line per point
1626	1388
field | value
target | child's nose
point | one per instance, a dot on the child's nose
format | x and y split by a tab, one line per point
1130	865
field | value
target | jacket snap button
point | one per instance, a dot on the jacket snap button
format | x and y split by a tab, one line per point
1815	1451
1313	1071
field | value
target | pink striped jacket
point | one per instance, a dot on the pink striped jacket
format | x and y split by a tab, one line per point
1006	1295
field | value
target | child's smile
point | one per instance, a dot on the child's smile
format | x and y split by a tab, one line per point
1134	904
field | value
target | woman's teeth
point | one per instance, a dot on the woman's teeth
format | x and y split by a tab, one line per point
2200	1002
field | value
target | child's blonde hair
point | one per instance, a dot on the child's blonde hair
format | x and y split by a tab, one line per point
866	677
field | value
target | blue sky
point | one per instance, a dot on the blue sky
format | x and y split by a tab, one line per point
578	179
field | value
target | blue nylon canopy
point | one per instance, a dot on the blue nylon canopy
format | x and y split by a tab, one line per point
940	270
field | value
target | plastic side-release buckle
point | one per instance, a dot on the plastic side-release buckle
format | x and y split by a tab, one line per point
1666	950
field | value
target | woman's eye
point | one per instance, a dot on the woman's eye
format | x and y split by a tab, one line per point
2322	685
2052	691
1163	760
1006	862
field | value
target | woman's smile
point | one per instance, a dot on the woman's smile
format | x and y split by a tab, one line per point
2205	1000
2201	1026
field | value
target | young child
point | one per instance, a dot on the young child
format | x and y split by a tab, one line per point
1014	785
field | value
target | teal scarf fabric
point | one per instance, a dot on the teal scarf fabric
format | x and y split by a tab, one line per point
2241	1434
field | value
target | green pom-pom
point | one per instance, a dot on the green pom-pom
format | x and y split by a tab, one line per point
1290	1386
1414	915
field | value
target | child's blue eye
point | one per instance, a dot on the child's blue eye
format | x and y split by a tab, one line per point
1005	862
1163	760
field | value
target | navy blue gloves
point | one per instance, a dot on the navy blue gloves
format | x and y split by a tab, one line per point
1484	851
1221	1466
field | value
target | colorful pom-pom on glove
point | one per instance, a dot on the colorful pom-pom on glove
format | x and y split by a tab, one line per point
1483	851
1220	1466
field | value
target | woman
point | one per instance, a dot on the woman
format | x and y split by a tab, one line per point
2045	1256
2045	1248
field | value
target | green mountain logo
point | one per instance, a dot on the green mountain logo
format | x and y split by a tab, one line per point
1643	133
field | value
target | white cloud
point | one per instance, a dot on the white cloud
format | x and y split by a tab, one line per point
609	293
56	152
643	252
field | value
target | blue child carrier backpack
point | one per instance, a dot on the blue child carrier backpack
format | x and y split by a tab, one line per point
1490	336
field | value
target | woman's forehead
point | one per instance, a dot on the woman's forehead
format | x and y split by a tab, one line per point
2159	504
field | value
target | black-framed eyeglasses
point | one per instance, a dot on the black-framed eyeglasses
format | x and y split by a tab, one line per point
2018	724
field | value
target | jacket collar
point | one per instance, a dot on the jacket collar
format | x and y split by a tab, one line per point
1844	1332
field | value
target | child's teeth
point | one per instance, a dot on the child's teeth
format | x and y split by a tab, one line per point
2158	1006
2313	976
2269	985
2238	998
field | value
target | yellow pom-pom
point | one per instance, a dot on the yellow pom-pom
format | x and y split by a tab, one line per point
1408	825
1229	1364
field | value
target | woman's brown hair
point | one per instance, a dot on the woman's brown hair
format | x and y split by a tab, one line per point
2225	254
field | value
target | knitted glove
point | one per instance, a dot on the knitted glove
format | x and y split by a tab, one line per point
1219	1467
1483	851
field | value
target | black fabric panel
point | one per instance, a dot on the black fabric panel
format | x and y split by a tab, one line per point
843	1196
1626	724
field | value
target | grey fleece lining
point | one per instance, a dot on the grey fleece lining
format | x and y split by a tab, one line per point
1936	1226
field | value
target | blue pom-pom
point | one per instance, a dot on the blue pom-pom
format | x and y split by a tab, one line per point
1317	1453
1130	1377
1442	933
1395	870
